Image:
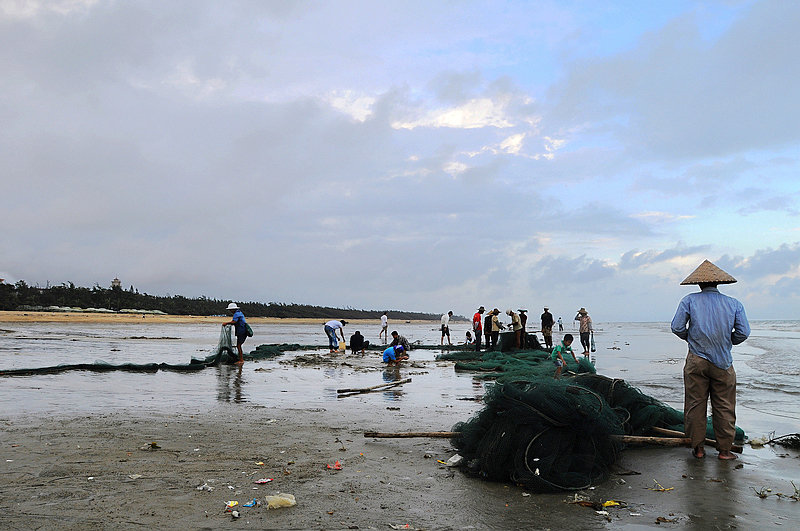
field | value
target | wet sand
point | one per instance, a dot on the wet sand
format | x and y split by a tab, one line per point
89	471
100	472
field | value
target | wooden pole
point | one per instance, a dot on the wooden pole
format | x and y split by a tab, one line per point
638	440
367	389
443	434
675	433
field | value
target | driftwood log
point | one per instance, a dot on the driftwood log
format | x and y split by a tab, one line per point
674	433
631	440
379	387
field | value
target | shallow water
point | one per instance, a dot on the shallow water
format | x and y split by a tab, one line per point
647	355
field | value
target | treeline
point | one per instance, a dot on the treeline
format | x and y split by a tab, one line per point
22	296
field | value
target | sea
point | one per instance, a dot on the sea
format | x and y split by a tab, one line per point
646	355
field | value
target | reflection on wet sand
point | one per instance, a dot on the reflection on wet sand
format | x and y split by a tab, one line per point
230	383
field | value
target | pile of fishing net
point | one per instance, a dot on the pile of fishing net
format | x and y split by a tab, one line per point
549	434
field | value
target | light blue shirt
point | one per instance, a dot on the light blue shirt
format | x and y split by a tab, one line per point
716	322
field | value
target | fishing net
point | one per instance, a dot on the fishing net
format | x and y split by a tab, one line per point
549	434
545	435
225	352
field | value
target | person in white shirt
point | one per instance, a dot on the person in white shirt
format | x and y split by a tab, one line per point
384	327
446	327
330	330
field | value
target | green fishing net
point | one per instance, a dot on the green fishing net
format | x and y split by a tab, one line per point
549	434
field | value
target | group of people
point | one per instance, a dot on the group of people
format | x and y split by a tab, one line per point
710	322
489	327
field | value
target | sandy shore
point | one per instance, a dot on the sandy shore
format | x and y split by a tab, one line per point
81	317
100	472
82	471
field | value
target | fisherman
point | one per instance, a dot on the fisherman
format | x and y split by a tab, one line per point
394	355
384	327
547	327
523	319
585	329
330	330
357	343
398	340
446	327
487	330
516	327
476	327
240	328
496	327
716	322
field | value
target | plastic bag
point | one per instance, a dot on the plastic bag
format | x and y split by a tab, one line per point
280	500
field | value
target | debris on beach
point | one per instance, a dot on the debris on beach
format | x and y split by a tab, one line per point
665	520
280	500
659	488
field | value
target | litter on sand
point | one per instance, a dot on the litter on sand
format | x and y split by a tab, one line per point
335	466
280	500
263	480
658	488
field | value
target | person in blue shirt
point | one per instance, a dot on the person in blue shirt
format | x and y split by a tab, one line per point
240	329
394	355
711	323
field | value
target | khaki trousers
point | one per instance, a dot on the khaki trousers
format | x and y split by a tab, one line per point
701	380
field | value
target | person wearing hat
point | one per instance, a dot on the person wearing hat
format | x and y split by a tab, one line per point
585	329
394	354
496	327
547	327
477	329
240	328
711	323
330	330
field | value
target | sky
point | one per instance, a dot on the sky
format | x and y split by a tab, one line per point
415	155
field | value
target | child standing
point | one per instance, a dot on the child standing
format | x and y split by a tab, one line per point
558	351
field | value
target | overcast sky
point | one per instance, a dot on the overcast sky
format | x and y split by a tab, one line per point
423	156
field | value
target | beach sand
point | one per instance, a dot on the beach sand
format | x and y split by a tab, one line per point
99	471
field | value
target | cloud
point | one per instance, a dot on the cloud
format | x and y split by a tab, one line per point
782	261
679	95
636	259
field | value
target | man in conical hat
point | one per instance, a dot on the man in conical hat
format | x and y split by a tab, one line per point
711	323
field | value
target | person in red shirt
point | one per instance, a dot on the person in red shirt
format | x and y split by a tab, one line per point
476	327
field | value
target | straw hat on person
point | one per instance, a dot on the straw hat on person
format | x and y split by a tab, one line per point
481	309
708	273
583	311
233	306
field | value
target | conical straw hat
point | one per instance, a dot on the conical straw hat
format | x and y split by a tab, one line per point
708	273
